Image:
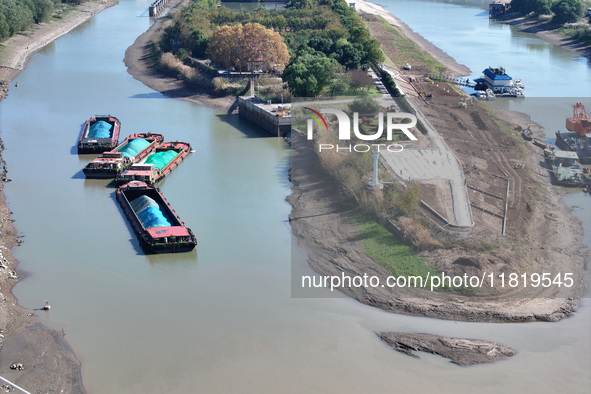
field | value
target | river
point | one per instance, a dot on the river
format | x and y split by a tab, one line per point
222	319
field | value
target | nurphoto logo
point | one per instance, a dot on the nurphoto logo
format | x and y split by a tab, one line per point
393	122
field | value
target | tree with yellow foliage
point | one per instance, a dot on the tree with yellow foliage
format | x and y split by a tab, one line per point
248	47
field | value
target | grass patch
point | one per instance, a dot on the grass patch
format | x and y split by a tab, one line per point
399	49
391	252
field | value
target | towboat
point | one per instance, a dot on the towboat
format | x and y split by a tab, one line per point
112	163
99	134
157	226
157	165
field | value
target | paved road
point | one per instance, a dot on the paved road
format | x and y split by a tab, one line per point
433	163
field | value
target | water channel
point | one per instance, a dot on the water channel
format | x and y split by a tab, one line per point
221	319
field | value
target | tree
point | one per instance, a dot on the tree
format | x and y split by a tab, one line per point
299	4
365	106
309	74
541	7
360	79
241	46
567	11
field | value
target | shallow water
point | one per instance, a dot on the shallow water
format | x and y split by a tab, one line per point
221	318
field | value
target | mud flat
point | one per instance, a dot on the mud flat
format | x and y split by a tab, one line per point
461	351
32	356
323	223
534	26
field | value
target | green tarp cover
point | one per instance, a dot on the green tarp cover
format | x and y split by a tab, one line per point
100	129
134	147
149	212
161	159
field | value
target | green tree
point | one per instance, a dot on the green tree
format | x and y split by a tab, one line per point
567	11
541	7
309	74
365	106
299	4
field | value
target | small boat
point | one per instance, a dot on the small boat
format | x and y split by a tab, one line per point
157	165
480	94
157	226
540	144
99	134
112	163
490	95
518	84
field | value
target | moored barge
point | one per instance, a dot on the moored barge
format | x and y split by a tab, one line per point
157	226
566	168
157	165
578	138
99	134
112	163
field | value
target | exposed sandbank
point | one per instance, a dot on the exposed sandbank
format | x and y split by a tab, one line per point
49	364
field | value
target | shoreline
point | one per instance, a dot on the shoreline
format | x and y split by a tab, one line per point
431	49
320	222
531	25
140	69
49	363
25	327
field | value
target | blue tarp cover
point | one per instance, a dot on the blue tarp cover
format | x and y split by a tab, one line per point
149	212
100	129
161	159
134	147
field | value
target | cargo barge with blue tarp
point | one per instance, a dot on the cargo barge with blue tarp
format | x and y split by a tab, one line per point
157	165
111	164
157	226
99	134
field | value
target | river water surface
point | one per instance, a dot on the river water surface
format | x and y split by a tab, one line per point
221	319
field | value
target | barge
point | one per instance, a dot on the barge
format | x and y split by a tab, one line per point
501	84
566	168
99	134
578	138
157	165
158	228
112	163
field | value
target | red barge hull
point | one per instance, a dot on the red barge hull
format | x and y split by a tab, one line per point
88	144
141	171
173	239
112	163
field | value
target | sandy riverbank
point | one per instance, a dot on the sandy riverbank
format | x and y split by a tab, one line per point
435	52
534	26
139	67
48	362
321	221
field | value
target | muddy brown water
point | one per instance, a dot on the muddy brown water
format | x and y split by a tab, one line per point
222	319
